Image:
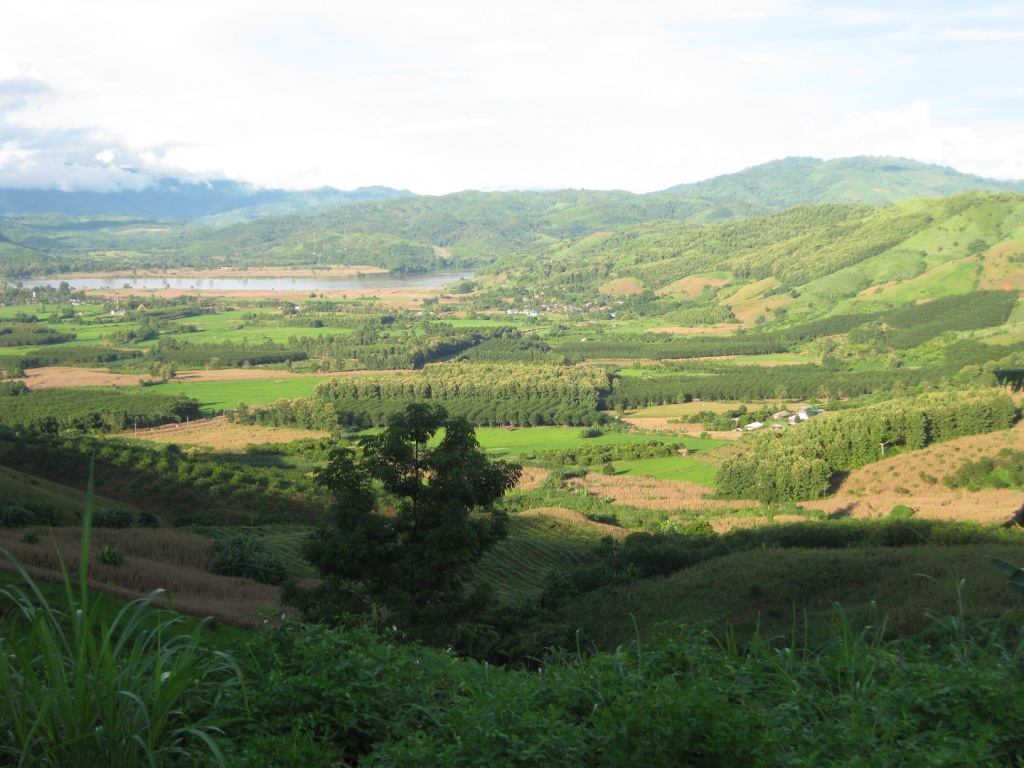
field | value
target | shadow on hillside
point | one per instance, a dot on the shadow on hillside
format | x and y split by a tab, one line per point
842	512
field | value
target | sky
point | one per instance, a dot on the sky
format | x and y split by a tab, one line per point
439	96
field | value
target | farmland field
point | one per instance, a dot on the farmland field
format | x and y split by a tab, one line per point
520	442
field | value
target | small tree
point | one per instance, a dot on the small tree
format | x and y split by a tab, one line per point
409	522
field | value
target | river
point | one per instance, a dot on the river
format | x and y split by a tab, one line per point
370	282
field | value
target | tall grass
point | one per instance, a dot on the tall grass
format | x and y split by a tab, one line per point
78	688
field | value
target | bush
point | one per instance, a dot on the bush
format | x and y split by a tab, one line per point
15	516
247	558
111	555
114	517
901	512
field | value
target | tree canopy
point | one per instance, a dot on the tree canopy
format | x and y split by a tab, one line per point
411	517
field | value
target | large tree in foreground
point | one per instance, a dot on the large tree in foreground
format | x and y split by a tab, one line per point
411	518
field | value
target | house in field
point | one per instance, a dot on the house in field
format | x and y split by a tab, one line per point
797	417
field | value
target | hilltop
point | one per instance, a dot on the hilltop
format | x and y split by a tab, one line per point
225	224
791	181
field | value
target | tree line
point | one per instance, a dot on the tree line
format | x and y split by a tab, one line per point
798	463
58	410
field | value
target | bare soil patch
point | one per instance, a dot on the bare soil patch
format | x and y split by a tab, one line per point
915	479
221	435
623	286
665	424
62	376
649	493
691	287
911	478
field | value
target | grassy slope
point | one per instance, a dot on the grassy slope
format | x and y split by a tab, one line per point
779	590
518	566
20	487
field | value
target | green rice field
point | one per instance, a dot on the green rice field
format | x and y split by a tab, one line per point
217	396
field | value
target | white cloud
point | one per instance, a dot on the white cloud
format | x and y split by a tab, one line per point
452	94
982	35
912	131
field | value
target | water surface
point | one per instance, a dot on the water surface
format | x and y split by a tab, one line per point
371	282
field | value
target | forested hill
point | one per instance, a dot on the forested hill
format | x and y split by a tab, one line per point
793	181
219	202
406	232
798	262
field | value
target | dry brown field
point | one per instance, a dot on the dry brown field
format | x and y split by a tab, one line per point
649	493
531	478
221	435
914	478
690	287
624	286
61	376
174	561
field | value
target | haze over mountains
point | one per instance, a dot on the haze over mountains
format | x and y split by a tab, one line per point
185	225
760	189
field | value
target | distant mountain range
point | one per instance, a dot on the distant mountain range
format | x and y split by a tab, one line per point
761	189
793	181
188	225
219	202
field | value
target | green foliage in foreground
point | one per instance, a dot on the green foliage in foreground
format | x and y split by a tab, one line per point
77	689
131	692
320	697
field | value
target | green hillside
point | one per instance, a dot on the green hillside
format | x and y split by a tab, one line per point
424	233
806	180
803	261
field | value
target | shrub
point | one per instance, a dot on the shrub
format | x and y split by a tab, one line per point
247	558
901	512
15	516
111	555
113	517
